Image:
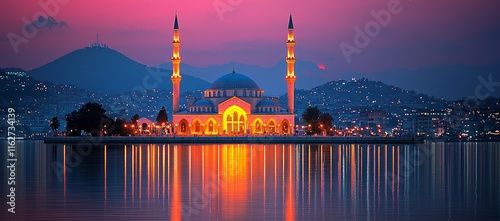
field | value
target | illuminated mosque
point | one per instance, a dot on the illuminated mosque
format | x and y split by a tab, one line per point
234	104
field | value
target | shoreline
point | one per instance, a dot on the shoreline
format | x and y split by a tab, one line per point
234	140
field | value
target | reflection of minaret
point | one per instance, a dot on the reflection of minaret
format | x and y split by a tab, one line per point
290	60
176	61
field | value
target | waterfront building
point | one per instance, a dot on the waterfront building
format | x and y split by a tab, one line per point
234	104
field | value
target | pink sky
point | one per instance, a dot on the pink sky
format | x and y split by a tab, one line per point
254	32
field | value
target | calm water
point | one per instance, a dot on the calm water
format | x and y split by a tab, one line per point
434	181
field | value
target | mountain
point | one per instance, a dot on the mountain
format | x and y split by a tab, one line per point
271	80
100	68
362	94
450	82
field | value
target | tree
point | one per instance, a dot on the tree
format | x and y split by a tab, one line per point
54	124
311	118
162	117
91	115
326	120
90	118
72	124
120	129
317	121
134	119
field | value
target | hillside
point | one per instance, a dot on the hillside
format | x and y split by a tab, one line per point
362	94
104	69
451	82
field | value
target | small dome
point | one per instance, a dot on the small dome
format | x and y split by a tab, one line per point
202	103
266	103
234	81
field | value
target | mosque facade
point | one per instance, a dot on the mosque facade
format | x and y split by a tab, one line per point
234	104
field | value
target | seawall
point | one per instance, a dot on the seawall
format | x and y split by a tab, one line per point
233	139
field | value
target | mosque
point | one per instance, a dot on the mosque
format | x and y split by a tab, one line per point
234	104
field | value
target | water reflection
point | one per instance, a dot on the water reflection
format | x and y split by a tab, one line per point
289	182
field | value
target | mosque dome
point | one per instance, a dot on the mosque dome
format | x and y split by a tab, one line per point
234	81
203	103
266	103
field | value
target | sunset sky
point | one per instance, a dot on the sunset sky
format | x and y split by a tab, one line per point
423	33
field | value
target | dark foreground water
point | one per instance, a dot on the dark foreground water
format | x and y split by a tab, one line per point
433	181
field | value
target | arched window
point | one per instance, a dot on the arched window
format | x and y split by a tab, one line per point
235	93
241	124
183	127
235	123
244	93
224	94
272	127
218	93
211	127
251	93
286	127
197	127
257	127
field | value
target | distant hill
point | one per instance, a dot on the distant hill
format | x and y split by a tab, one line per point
361	93
107	70
450	82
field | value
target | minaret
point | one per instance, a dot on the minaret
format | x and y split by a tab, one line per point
290	61
176	62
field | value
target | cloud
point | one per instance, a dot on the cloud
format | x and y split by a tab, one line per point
50	22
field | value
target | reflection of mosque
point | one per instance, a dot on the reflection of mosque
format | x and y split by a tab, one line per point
234	103
227	182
